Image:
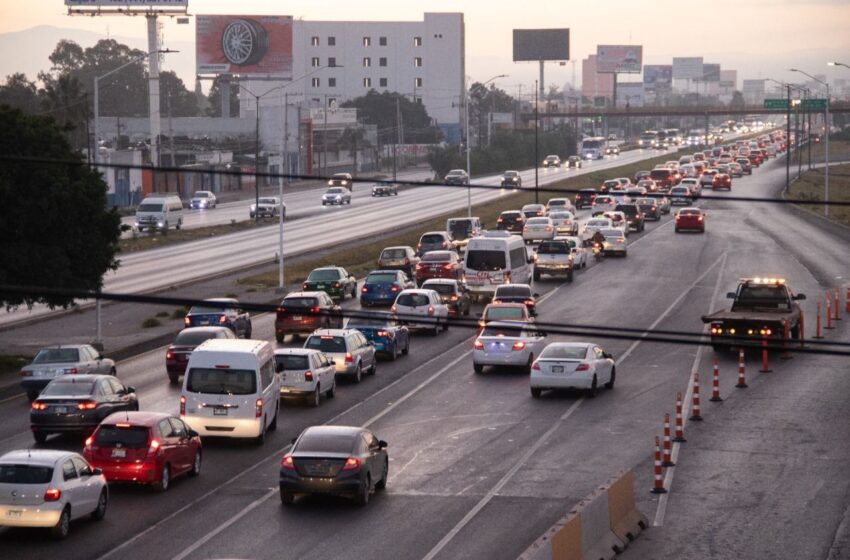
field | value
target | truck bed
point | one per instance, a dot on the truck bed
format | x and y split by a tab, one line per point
756	316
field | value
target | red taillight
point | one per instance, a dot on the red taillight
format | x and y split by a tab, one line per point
153	447
349	358
258	408
287	463
187	321
653	208
406	260
548	228
699	219
518	345
52	495
182	406
72	371
169	355
419	266
39	406
351	464
336	284
89	441
448	266
281	310
222	319
394	288
393	309
26	374
87	405
308	376
539	212
315	310
454	298
535	366
418	245
430	310
478	345
529	302
499	221
525	228
363	290
444	245
382	333
583	367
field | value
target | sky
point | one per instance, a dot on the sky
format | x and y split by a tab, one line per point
760	38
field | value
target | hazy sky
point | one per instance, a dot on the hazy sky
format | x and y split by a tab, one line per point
734	33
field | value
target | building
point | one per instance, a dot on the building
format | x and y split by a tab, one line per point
595	85
754	91
728	84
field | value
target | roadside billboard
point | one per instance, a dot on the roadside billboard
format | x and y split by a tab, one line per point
728	79
130	5
532	45
710	72
620	59
244	45
658	77
687	68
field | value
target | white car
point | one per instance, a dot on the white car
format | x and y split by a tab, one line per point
347	349
305	373
507	343
602	204
336	195
619	221
420	308
538	229
578	249
615	242
572	365
559	205
268	206
565	222
203	199
596	224
49	489
693	185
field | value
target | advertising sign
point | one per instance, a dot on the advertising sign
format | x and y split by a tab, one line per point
130	5
245	45
710	72
657	77
620	59
531	45
688	68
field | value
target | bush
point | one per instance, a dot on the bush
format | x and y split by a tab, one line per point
163	314
150	323
179	313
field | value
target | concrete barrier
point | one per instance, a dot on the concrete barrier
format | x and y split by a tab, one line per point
598	540
626	520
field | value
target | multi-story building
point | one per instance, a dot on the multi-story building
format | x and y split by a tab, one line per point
593	84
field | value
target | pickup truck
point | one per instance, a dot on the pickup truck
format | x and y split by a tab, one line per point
554	258
761	307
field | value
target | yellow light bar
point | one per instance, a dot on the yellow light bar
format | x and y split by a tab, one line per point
766	280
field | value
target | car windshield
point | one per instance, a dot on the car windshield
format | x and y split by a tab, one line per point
133	437
323	275
612	184
689	213
191	338
271	201
457	172
336	190
442	288
222	381
612	233
412	300
558	202
561	216
559	352
356	322
300	302
203	194
553	248
332	344
510	215
481	259
325	443
149	207
57	355
511	174
496	313
538	221
393	254
291	362
432	239
200	310
381	278
68	388
598	223
25	474
659	173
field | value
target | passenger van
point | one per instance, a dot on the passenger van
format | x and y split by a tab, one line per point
230	389
461	230
492	259
159	212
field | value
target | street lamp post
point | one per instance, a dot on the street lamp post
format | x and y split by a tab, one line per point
826	125
468	166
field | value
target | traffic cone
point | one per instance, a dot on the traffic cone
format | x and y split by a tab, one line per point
837	305
668	460
828	312
817	324
659	480
715	383
680	424
765	361
695	413
786	340
742	368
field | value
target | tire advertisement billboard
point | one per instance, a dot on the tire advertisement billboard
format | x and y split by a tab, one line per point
619	59
244	45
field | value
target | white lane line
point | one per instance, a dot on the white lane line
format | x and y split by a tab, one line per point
661	511
502	482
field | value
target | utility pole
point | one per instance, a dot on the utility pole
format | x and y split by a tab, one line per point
257	161
170	130
536	143
285	155
399	126
325	138
788	140
468	168
799	140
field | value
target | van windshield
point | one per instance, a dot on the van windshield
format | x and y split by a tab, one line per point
222	381
149	207
480	259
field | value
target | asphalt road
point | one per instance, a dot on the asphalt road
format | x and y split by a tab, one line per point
479	469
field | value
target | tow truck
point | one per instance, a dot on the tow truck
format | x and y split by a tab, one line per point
762	308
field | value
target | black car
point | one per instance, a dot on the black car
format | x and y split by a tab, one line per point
517	293
456	177
511	220
452	293
585	197
511	179
634	216
650	209
385	190
78	403
228	314
336	460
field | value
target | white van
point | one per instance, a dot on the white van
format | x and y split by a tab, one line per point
160	212
231	389
495	258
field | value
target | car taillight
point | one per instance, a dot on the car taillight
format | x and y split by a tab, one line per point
478	345
444	245
518	345
71	371
448	266
258	408
349	358
363	290
529	302
89	441
583	367
382	333
418	245
535	366
287	463
394	288
621	240
153	447
653	208
430	310
187	321
539	212
525	228
222	319
454	298
308	375
351	464
699	219
315	310
336	284
39	406
419	266
548	228
499	220
52	495
86	405
305	286
182	406
406	260
169	355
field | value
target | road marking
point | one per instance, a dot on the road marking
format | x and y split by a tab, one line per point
13	397
661	511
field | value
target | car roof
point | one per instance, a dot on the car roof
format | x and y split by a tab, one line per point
77	346
332	332
434	233
203	329
431	281
506	304
515	324
302	294
79	378
514	285
415	291
41	457
137	418
223	300
388	271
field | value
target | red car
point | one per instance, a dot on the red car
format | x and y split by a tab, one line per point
439	264
691	219
301	313
721	181
144	448
177	355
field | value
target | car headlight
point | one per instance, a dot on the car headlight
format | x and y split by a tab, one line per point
160	224
253	208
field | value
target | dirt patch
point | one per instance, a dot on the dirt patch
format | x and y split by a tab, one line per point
810	186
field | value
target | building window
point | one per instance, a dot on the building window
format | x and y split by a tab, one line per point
383	82
417	41
315	62
367	41
367	82
314	41
382	61
331	41
417	61
417	82
332	61
382	41
367	62
316	82
331	82
332	102
418	100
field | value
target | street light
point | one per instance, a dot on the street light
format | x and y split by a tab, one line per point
468	168
837	64
826	123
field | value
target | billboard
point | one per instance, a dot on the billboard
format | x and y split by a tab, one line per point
710	72
130	5
245	45
689	68
620	59
532	45
728	79
658	77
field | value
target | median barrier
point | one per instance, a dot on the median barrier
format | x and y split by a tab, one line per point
597	538
626	520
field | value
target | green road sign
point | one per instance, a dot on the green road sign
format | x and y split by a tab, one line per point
814	104
775	103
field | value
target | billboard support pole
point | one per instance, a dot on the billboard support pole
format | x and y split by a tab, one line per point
542	89
788	141
536	156
153	87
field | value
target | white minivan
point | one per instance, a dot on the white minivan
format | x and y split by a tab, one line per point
495	258
230	389
159	212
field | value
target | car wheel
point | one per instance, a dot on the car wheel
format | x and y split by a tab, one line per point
279	338
406	350
287	498
381	484
591	393
40	437
261	439
331	393
358	374
394	353
466	311
164	479
196	464
610	384
478	368
273	425
315	398
536	275
536	392
113	372
179	224
527	368
32	395
173	378
676	230
102	501
570	275
362	496
446	325
248	331
374	369
63	526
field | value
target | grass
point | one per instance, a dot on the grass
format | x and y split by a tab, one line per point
11	364
810	186
839	150
147	240
150	323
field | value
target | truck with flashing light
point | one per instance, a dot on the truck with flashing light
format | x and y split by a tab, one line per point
762	308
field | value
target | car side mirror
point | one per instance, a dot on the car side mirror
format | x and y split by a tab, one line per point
96	471
530	260
131	390
799	297
608	355
193	433
382	444
730	295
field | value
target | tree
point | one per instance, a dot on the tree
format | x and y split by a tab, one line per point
380	109
56	230
737	101
183	102
214	97
19	93
354	139
483	101
442	159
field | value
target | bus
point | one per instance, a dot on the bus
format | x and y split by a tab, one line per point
674	136
593	147
648	139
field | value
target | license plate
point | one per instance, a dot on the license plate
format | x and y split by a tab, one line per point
557	369
14	513
219	412
296	317
119	452
295	378
204	322
61	409
320	286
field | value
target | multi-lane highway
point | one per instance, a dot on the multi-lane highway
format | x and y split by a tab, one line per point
478	468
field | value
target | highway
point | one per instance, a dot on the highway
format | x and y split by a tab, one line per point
478	468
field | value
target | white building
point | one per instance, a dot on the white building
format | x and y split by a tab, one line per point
341	60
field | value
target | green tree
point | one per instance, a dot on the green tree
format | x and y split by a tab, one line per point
173	90
484	100
444	158
354	140
214	97
19	93
737	101
56	230
380	109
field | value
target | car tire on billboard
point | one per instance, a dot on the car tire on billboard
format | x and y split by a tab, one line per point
244	42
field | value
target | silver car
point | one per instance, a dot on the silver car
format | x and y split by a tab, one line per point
538	229
615	242
336	195
507	343
348	349
64	359
305	373
203	200
268	206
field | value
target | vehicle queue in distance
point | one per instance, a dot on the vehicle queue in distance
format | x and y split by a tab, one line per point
234	386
